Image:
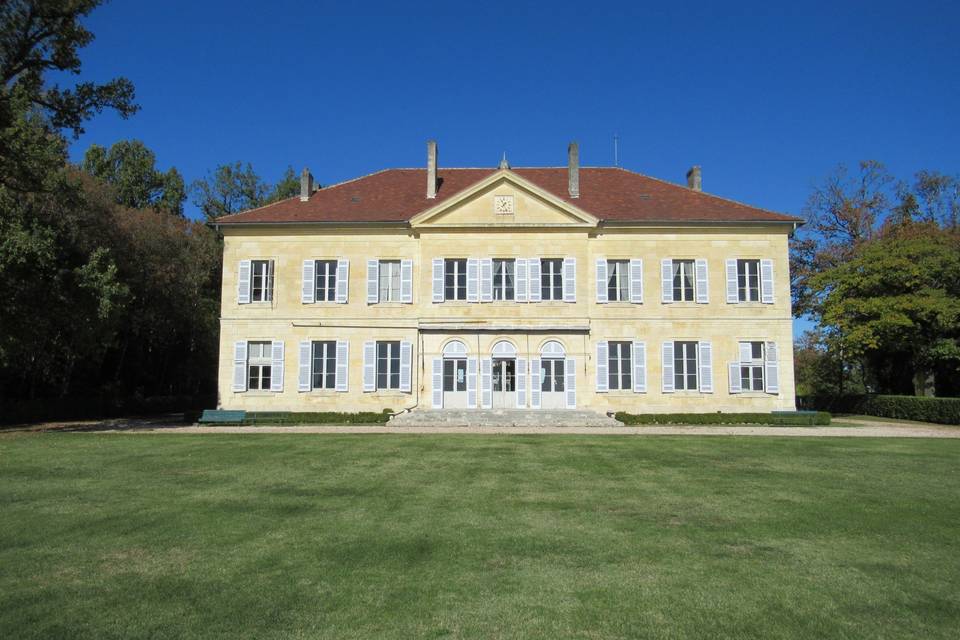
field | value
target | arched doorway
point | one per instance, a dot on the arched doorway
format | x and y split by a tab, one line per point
504	375
552	375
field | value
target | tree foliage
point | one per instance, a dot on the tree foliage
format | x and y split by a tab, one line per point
879	268
129	167
38	37
235	187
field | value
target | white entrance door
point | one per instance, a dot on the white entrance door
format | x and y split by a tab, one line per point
504	383
454	383
551	384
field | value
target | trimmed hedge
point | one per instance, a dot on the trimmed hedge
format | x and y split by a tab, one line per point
779	419
921	408
280	418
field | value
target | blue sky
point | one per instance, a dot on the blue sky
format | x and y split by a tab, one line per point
767	98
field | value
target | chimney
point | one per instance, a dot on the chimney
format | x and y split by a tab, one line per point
306	184
573	169
431	168
693	178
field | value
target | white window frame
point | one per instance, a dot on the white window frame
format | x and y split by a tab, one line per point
389	360
551	271
618	275
680	362
265	279
457	264
264	360
327	369
680	270
751	365
388	272
748	291
500	291
329	275
624	360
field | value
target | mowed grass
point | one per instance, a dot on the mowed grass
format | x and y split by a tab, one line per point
305	536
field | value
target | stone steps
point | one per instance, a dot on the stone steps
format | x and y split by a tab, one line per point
502	418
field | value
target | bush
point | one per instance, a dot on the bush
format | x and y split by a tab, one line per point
779	419
280	418
921	408
93	406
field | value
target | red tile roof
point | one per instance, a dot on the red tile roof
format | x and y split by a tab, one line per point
608	193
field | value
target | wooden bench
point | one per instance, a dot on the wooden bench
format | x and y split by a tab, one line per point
218	416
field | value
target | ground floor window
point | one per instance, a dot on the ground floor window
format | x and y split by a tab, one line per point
552	375
619	366
388	365
259	365
455	374
751	370
325	364
685	366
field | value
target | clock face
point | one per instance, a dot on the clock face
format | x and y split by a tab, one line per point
503	205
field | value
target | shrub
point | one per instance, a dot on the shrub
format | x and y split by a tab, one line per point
780	419
279	418
922	408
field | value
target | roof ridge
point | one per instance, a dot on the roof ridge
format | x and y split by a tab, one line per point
704	193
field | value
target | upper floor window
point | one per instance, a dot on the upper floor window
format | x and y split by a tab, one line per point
455	279
504	272
261	281
683	280
685	366
259	365
389	280
326	280
618	280
551	279
619	366
748	280
388	365
324	365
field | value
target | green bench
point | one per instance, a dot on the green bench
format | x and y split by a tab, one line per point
218	416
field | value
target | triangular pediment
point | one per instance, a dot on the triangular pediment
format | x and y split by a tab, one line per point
504	199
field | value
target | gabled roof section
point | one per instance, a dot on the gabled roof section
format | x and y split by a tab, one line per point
577	217
609	194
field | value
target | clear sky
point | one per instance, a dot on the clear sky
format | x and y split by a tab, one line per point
768	97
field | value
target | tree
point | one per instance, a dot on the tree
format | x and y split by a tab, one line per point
232	188
38	37
228	189
129	167
896	303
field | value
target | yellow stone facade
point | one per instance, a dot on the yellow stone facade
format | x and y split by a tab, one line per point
541	226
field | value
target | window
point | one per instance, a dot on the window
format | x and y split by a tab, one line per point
455	374
751	371
388	365
261	285
259	364
326	277
748	280
618	280
389	275
683	279
552	372
685	366
324	365
551	279
503	275
455	279
620	368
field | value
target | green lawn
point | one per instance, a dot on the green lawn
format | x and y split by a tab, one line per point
304	536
